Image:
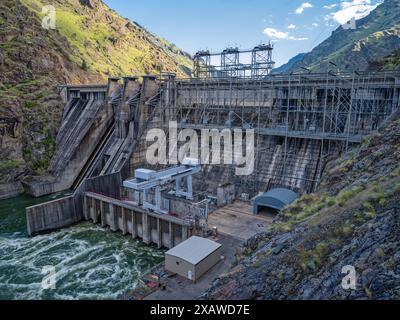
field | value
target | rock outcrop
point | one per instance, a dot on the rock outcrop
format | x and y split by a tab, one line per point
90	42
89	3
354	220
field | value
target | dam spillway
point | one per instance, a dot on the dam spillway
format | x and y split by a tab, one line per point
300	121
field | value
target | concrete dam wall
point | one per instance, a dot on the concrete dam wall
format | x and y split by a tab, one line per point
298	169
86	120
300	122
102	134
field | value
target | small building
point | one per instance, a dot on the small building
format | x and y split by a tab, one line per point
193	257
275	199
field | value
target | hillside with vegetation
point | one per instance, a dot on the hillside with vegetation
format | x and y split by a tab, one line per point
289	65
353	220
375	37
390	62
90	43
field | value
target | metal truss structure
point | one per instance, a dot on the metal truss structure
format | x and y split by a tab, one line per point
300	120
149	180
234	63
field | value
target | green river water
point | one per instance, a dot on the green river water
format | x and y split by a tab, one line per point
90	262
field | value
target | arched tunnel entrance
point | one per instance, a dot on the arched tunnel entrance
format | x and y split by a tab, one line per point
273	201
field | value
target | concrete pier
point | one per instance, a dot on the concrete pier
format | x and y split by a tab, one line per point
61	213
53	215
162	230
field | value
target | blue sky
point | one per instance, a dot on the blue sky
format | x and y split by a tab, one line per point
293	25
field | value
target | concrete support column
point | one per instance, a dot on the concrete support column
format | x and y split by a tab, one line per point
113	84
145	203
131	89
95	212
190	187
86	207
184	232
102	214
178	185
159	242
134	225
124	221
113	218
92	209
158	199
137	198
149	90
171	236
146	228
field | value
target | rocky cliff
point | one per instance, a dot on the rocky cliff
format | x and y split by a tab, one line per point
90	43
390	62
375	37
354	220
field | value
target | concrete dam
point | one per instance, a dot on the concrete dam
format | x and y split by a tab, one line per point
300	122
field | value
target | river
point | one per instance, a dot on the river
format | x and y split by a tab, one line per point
90	262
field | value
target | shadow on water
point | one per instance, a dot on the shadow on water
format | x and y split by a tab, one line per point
90	262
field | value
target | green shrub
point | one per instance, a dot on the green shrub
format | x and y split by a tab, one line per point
346	229
376	196
348	194
9	164
312	259
331	201
30	104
